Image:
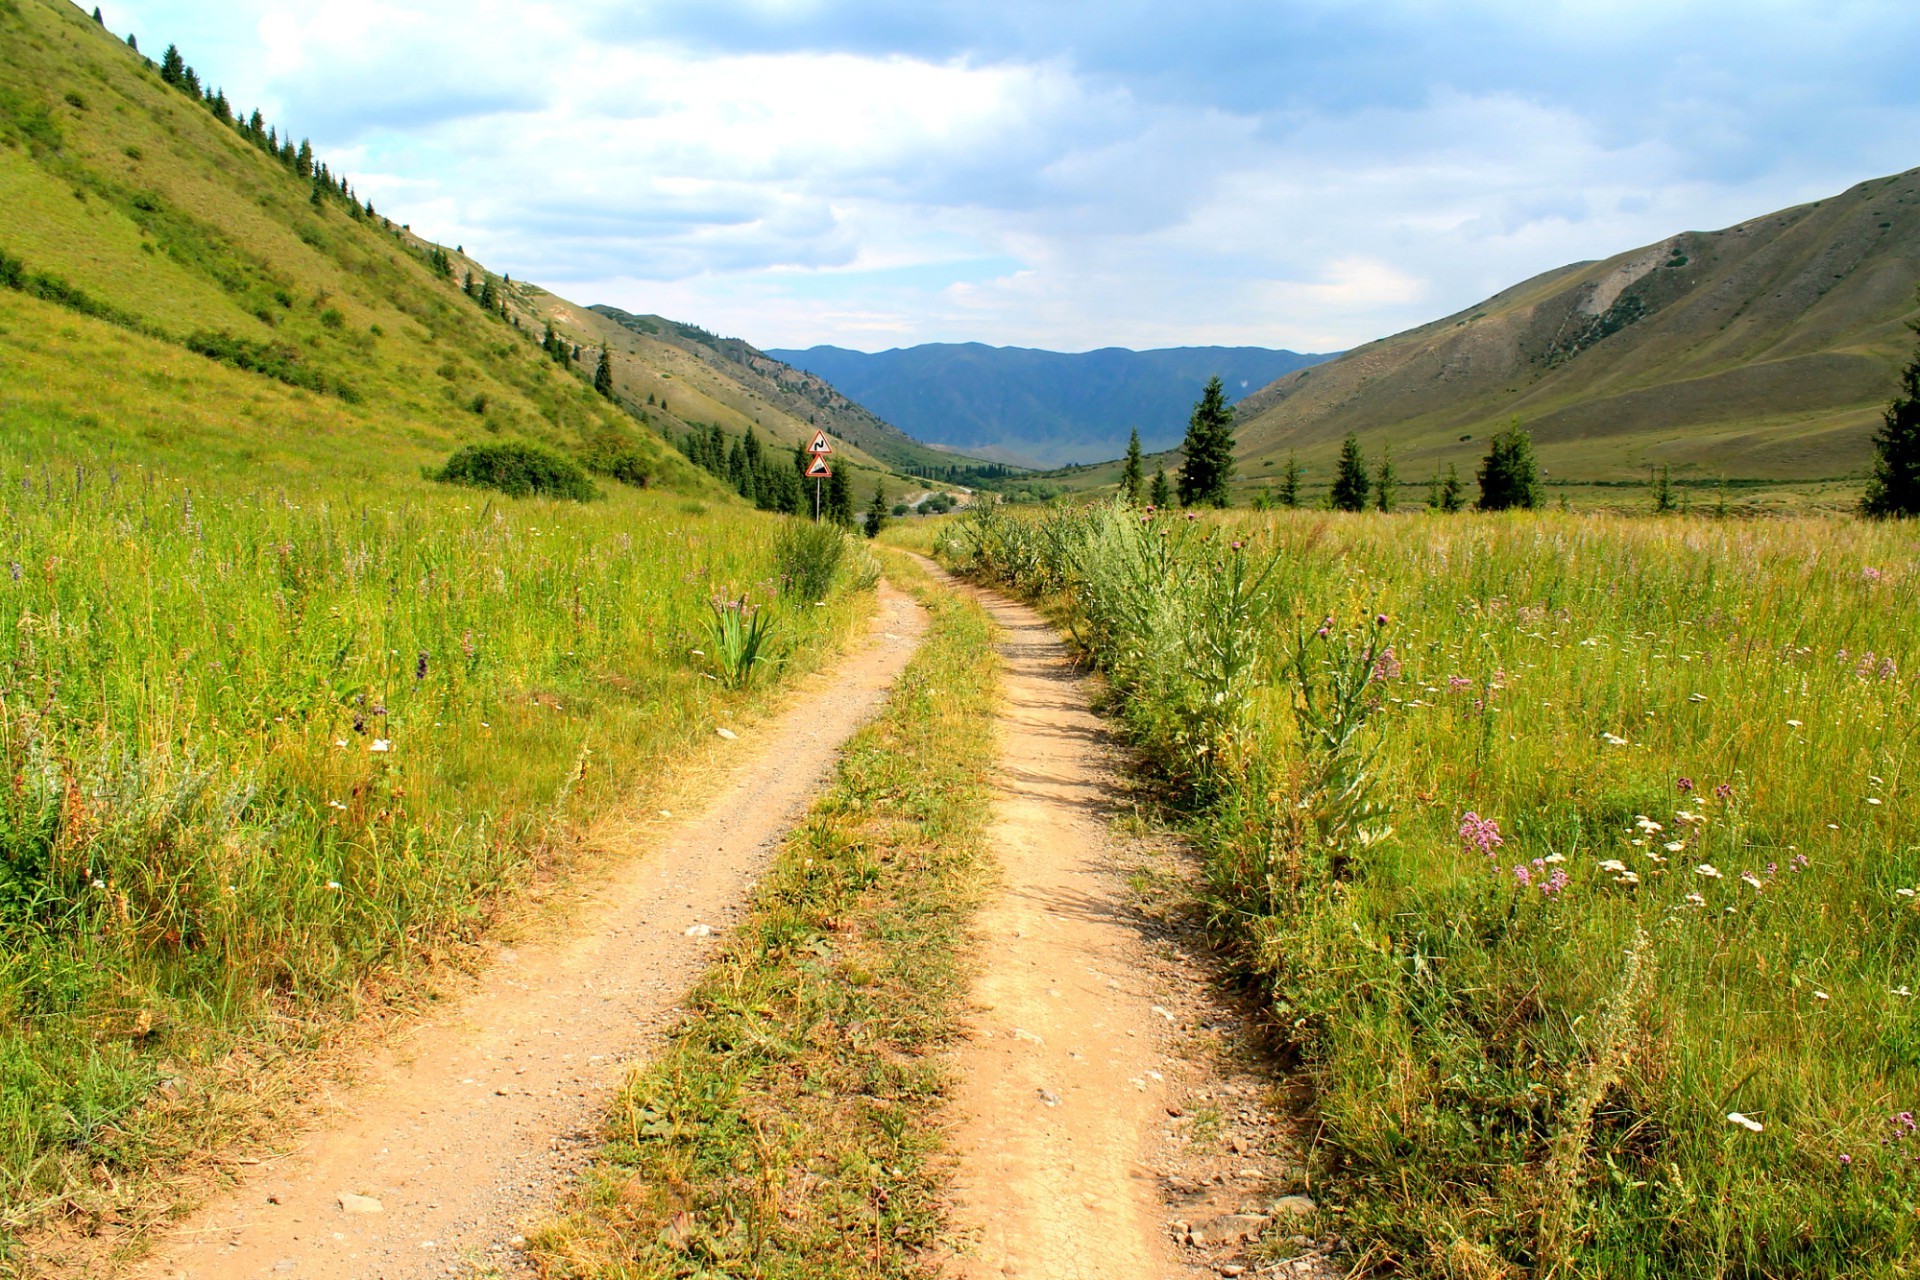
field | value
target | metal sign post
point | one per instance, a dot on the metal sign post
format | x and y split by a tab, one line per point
818	470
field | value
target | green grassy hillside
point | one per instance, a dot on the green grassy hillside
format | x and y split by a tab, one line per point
1763	351
140	225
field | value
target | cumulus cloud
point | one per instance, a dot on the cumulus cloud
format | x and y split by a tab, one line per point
1074	174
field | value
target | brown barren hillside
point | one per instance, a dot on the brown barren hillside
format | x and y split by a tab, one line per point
1764	350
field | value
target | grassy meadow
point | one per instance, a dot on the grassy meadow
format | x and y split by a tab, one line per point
270	746
1576	857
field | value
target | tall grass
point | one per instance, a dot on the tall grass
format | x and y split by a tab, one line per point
263	748
1577	857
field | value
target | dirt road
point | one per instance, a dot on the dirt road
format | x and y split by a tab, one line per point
1060	1087
475	1123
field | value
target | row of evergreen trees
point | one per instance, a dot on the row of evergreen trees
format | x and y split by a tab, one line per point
970	473
764	478
1509	479
299	160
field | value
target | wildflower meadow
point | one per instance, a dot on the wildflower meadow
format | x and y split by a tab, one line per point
1575	858
269	750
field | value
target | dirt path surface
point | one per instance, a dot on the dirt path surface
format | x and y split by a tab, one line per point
472	1125
1115	1115
1060	1084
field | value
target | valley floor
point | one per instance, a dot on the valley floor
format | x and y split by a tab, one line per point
1100	1105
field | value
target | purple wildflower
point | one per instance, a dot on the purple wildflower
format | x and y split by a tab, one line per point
1481	833
1386	666
1524	876
1723	792
1555	883
1684	785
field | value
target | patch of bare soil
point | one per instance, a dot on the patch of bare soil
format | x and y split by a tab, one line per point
1113	1116
468	1128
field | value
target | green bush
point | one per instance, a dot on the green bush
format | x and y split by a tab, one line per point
519	471
617	456
276	360
808	555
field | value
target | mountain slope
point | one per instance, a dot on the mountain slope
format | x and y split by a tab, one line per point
786	402
1017	404
257	315
1764	350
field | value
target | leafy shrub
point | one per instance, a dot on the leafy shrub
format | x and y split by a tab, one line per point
519	471
808	556
276	360
617	456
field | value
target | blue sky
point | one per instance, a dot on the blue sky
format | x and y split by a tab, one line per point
1066	173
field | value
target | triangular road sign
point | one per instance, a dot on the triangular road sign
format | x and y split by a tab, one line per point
818	469
819	445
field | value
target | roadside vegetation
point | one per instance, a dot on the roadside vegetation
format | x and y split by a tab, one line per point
789	1128
273	750
1576	858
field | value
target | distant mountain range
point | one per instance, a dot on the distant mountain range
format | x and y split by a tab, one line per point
1765	350
1040	408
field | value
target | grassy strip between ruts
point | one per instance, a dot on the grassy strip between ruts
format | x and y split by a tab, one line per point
789	1127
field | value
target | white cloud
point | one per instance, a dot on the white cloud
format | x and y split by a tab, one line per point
855	171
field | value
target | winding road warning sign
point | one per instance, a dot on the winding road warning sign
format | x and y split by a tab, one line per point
819	447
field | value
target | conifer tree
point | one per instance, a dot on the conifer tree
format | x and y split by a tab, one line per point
1350	484
840	498
1444	492
133	42
1660	491
1894	487
488	298
1290	481
97	18
800	459
256	123
877	511
1132	477
1509	477
303	159
1386	481
173	68
1161	493
1208	448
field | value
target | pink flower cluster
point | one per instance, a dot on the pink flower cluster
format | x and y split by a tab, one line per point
1386	666
1481	833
